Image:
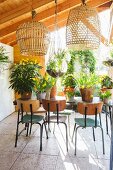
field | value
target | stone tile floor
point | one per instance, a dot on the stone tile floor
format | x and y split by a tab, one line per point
54	155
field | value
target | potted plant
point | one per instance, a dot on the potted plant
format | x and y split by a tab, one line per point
87	83
69	82
56	64
23	77
105	96
106	82
44	85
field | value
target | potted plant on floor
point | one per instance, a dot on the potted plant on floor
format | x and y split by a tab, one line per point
87	83
23	77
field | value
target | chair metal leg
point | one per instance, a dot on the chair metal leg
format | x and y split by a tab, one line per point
66	135
106	123
73	132
76	137
27	129
100	119
16	135
69	124
102	139
30	129
41	134
93	133
46	131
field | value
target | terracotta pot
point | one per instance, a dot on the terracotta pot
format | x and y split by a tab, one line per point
69	89
26	95
53	92
87	94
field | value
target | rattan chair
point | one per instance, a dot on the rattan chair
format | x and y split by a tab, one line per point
88	109
28	114
55	106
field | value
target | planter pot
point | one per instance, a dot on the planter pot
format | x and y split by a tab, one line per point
53	92
54	74
87	94
41	96
26	95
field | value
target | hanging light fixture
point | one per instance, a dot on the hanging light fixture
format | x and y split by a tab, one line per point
33	37
83	28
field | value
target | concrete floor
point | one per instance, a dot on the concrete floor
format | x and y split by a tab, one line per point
54	155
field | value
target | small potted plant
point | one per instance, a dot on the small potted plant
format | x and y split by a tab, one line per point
44	85
69	82
106	82
87	83
23	77
105	96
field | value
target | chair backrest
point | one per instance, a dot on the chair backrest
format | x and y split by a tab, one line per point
27	104
53	105
91	108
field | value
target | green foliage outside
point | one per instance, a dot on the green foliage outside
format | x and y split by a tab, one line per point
3	55
85	58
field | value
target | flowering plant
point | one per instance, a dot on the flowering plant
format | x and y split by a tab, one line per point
88	80
24	75
45	83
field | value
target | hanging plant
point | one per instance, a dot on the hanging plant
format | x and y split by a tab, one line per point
56	64
108	62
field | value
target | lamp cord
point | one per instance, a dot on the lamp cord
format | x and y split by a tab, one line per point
56	26
83	2
33	12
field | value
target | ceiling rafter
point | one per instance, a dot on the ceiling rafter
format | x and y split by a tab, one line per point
46	16
23	9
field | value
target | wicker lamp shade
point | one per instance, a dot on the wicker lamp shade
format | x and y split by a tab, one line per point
83	28
33	38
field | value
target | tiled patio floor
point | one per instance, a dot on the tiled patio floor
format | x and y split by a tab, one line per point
54	156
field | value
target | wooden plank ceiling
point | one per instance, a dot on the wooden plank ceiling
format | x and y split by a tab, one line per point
13	13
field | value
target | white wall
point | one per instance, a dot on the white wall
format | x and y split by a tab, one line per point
6	94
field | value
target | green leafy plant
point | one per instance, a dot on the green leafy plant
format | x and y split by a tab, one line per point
3	55
106	82
24	76
45	83
69	81
105	95
88	80
54	66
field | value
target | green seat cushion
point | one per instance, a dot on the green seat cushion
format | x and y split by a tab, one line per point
89	122
35	118
65	112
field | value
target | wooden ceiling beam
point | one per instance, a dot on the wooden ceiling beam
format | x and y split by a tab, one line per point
23	9
44	15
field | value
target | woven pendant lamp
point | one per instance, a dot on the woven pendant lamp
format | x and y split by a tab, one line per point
33	38
83	28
